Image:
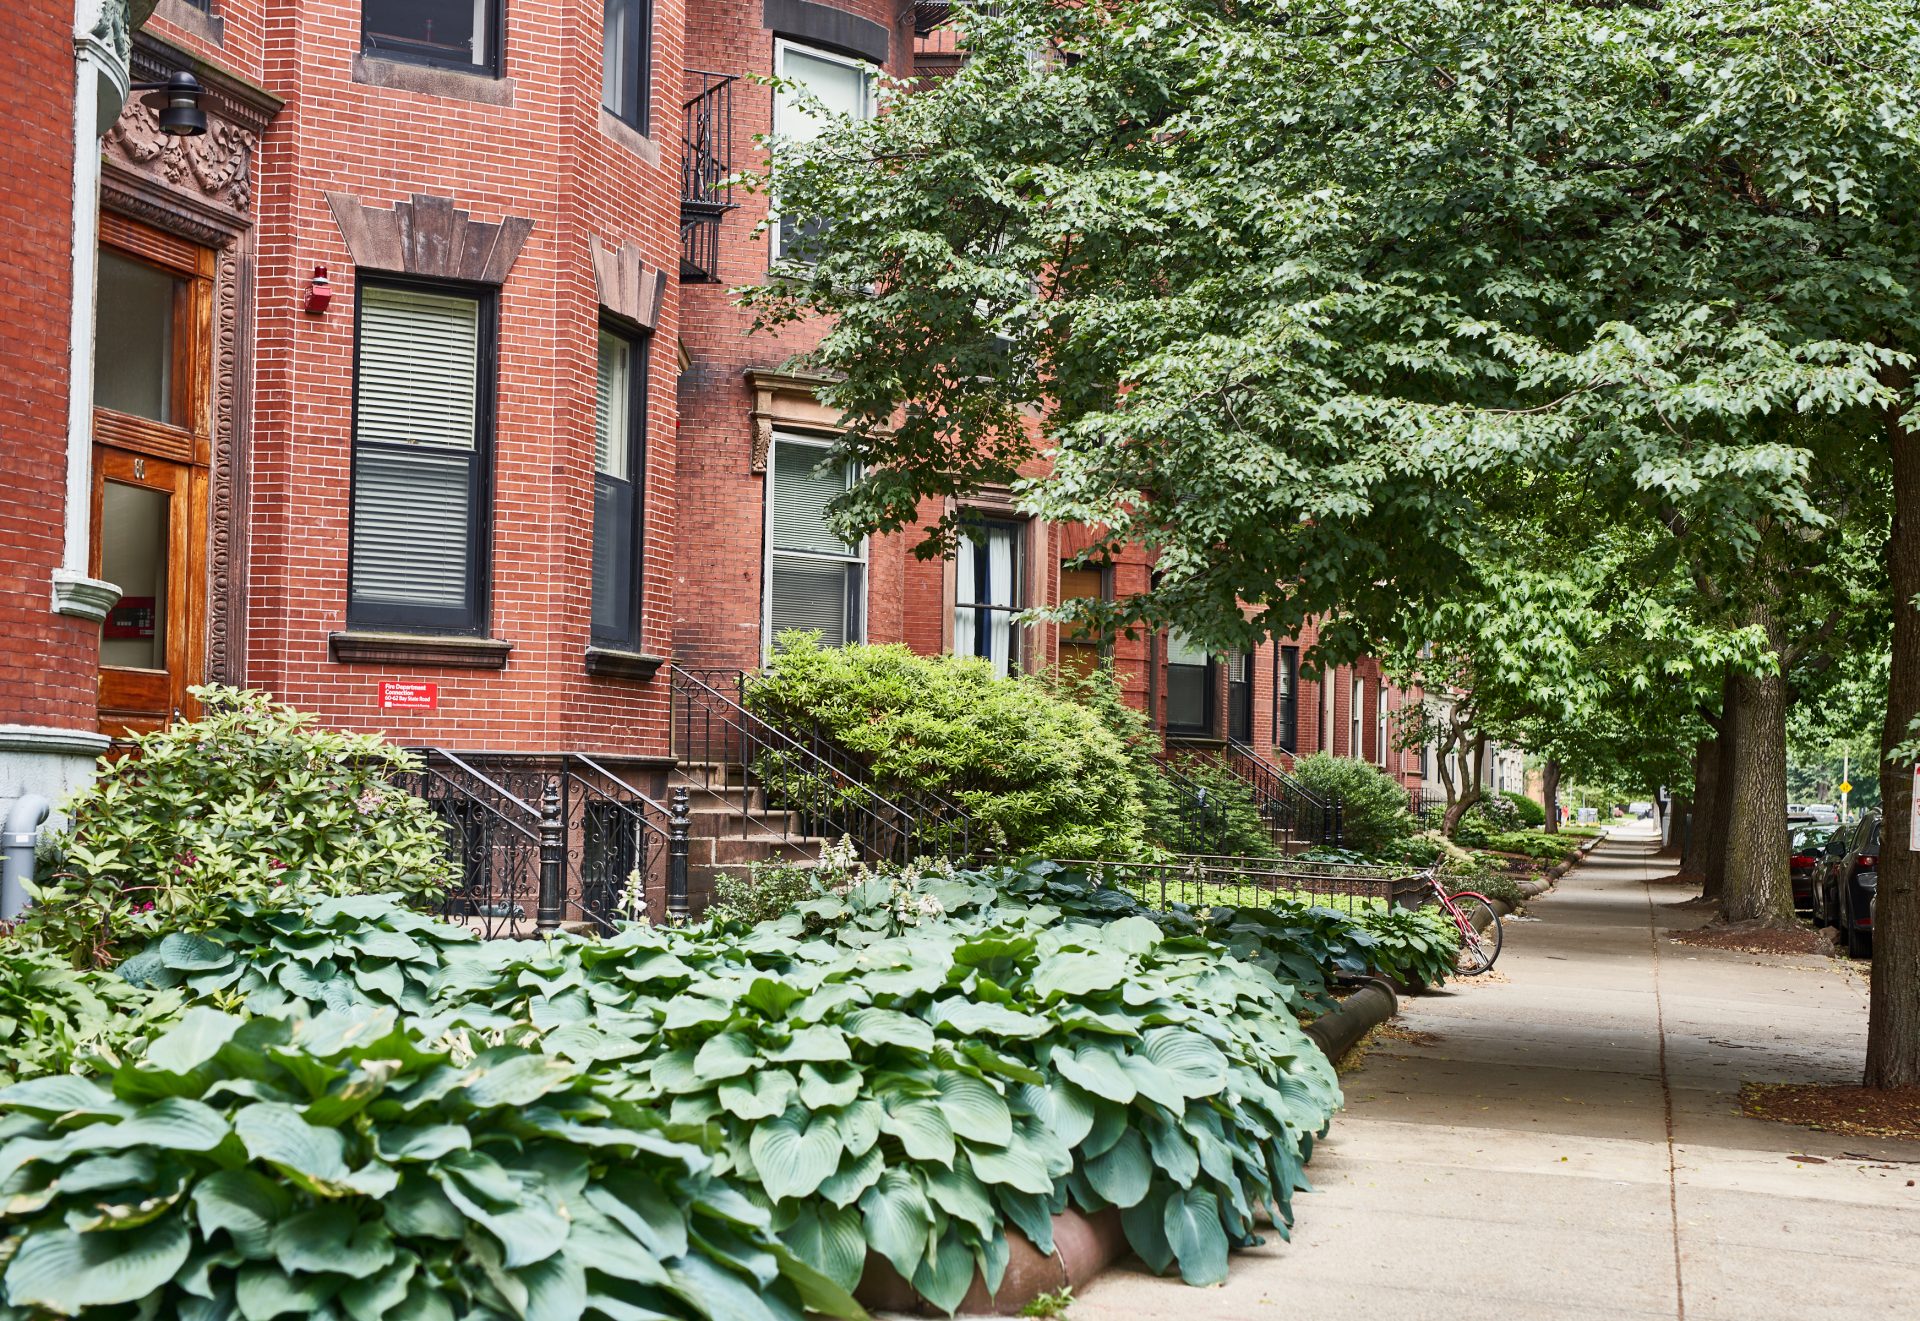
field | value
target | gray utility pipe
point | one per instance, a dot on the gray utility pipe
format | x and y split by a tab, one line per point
17	839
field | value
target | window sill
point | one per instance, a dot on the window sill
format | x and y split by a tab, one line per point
612	126
433	80
611	663
455	653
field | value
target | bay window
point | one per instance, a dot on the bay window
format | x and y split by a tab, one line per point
989	567
816	583
422	423
457	34
619	424
823	85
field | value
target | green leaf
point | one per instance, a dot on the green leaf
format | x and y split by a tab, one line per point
332	1238
419	1142
1096	1070
520	1080
824	1089
1066	1111
265	1291
197	1038
1075	974
897	1220
246	1204
1199	1243
962	1196
821	1044
793	1160
974	1109
1145	1224
1123	1173
1194	1063
185	952
63	1094
279	1135
726	1056
378	1296
888	1027
831	1238
922	1128
972	1018
944	1277
1017	1165
759	1096
69	1272
844	1186
556	1289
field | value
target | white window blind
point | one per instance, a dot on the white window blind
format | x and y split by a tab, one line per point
814	578
828	88
1357	719
416	431
612	400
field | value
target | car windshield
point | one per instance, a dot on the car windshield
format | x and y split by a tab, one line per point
1808	838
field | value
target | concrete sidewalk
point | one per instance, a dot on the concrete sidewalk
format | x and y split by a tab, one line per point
1565	1141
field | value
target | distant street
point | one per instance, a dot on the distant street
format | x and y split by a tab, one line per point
1565	1141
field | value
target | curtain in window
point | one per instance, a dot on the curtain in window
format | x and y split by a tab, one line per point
986	576
966	633
1286	698
415	451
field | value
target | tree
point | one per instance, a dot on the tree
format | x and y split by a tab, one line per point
1287	289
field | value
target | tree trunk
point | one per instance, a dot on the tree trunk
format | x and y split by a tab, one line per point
1678	806
1893	1020
1715	858
1706	772
1550	794
1471	764
1758	886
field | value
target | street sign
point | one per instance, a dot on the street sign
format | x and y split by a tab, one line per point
396	696
1846	786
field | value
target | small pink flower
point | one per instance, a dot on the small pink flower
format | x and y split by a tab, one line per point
276	864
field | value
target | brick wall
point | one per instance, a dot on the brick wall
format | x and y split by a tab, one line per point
47	675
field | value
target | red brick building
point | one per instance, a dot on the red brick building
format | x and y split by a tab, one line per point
412	391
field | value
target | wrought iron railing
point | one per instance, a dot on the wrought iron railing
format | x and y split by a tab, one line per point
1199	881
706	172
1293	812
799	785
1204	824
540	842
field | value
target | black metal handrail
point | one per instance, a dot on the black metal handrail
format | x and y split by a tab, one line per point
706	172
805	792
1292	811
1203	821
493	834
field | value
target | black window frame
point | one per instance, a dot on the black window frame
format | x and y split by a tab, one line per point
473	621
1210	680
637	112
1240	701
491	67
639	345
984	611
1286	698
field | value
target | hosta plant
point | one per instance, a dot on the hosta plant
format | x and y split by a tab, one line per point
251	802
55	1018
334	1167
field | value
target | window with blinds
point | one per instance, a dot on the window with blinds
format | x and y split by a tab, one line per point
1286	698
1189	686
815	581
1356	717
619	431
825	86
625	60
1380	739
1240	697
420	456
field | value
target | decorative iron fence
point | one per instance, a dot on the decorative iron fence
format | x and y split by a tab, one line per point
1200	881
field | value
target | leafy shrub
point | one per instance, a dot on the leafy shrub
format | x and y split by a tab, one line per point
337	1166
1099	691
55	1018
1039	773
1375	810
767	890
249	803
1483	877
1417	946
1221	818
1489	816
1423	850
1550	848
1529	813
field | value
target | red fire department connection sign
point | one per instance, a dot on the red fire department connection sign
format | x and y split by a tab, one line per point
396	696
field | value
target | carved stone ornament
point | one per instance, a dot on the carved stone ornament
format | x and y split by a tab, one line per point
626	287
782	400
429	236
217	164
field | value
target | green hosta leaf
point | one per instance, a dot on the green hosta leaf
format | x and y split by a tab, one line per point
63	1094
826	1088
1194	1063
419	1142
277	1134
831	1239
265	1291
642	1208
718	1294
1153	1082
556	1289
859	1125
1018	1165
793	1159
898	1219
855	1176
67	1272
1066	1111
962	1196
758	1096
378	1297
944	1277
726	1056
1096	1070
1133	935
974	1109
332	1238
1192	1220
185	952
771	996
417	1208
888	1027
1123	1173
1172	1153
1145	1223
970	1018
686	1011
922	1128
1074	974
528	1228
821	1044
518	1081
1031	1214
101	1173
244	1203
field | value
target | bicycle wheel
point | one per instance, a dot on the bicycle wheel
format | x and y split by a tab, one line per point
1479	933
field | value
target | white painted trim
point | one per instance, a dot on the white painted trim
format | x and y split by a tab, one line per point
40	738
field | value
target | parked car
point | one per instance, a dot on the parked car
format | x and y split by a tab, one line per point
1805	843
1845	880
1641	810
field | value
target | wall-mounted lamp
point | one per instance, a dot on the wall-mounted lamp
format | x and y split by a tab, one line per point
320	292
178	101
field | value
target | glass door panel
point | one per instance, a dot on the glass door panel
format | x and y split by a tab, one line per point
145	512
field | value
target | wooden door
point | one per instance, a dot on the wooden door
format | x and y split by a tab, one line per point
149	521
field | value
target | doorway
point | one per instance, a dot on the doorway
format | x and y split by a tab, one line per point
151	410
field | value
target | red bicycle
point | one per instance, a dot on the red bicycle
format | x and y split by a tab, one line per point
1479	923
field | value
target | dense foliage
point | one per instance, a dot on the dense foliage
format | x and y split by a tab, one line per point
1212	811
54	1016
342	1166
1375	809
252	802
1528	812
1037	773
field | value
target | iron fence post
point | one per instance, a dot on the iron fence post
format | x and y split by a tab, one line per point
679	823
553	859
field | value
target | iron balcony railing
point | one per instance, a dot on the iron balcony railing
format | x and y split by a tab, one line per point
706	172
